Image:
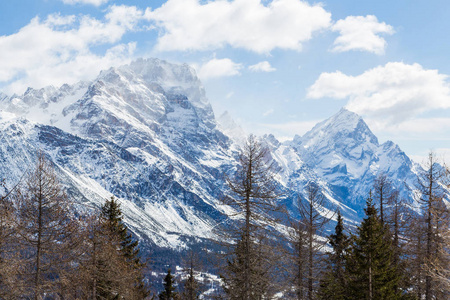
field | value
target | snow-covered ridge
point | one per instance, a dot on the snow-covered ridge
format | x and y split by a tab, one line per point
146	133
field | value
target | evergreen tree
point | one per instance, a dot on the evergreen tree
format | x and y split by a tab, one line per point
191	286
115	229
334	281
113	221
370	265
169	288
244	282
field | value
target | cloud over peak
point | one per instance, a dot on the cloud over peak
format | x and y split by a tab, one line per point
251	25
394	92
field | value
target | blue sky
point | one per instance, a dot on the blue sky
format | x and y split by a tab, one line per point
276	66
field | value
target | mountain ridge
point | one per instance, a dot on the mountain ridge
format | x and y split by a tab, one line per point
146	134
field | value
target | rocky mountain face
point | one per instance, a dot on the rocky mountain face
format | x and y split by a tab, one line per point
146	134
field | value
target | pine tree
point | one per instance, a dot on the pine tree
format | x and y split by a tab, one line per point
116	231
370	264
244	282
191	285
334	281
169	288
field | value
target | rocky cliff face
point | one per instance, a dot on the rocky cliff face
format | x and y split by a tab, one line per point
146	133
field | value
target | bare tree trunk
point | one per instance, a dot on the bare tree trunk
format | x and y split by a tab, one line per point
370	279
310	224
437	216
38	244
45	231
255	192
310	252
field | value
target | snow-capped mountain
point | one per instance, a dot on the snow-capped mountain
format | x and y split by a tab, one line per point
146	133
346	154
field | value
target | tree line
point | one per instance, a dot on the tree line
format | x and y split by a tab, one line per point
49	250
398	251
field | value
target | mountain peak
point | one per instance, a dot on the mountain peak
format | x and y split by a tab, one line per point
344	124
231	128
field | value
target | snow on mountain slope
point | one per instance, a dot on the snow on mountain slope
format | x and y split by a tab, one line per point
93	171
146	133
230	128
345	153
156	149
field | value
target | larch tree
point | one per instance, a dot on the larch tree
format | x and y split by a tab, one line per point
382	192
247	273
45	231
307	256
9	263
436	218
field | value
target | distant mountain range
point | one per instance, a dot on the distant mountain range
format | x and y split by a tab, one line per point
146	134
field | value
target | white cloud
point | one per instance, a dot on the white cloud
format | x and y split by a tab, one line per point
263	66
249	24
219	68
93	2
269	112
361	33
395	92
59	49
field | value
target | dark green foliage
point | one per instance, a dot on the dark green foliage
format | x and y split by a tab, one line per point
191	286
252	280
370	264
169	288
334	281
235	285
112	220
191	289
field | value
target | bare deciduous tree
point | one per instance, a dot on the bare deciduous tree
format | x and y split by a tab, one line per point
44	228
9	264
307	256
436	218
382	192
247	275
